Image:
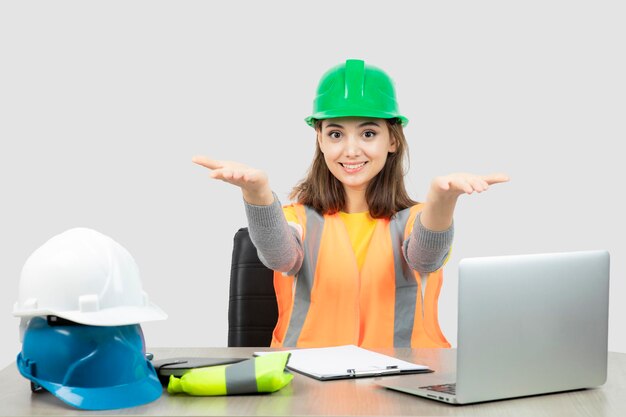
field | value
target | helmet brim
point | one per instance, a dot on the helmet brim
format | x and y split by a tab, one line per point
134	394
354	113
115	316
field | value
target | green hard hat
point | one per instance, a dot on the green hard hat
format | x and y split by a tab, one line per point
355	89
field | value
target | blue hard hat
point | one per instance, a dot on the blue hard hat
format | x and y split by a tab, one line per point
89	367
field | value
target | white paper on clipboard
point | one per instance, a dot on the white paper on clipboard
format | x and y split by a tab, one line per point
346	362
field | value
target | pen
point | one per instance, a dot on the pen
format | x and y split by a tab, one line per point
378	371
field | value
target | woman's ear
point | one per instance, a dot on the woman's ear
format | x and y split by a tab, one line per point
393	140
392	145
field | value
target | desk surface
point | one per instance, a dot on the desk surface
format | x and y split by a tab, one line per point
307	397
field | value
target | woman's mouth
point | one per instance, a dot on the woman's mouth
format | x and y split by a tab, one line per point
351	168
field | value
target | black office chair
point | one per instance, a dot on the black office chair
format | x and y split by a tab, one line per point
252	308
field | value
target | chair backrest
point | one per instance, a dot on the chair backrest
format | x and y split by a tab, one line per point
252	308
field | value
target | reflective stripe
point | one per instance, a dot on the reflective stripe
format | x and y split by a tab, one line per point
304	279
241	378
406	291
423	285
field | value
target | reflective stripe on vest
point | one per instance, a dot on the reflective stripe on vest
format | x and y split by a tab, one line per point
382	305
241	378
405	285
304	282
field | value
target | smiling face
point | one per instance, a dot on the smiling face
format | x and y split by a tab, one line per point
355	149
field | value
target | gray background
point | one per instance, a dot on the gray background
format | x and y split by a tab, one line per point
103	104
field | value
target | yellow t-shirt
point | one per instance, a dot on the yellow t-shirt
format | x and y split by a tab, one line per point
360	227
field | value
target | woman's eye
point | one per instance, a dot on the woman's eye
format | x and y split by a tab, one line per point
335	135
369	134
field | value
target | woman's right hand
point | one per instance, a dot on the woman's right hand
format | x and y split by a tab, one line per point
253	182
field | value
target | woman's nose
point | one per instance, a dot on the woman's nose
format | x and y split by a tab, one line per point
352	147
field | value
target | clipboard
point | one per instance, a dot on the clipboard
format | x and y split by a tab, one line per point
345	362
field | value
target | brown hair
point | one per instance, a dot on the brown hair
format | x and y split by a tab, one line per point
385	194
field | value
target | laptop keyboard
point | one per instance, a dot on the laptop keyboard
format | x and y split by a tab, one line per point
445	388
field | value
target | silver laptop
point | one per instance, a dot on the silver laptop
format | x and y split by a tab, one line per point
527	325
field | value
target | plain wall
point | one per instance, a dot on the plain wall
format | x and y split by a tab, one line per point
103	104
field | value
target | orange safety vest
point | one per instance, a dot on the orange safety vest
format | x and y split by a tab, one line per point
330	303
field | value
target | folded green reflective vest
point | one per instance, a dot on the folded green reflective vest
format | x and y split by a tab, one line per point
261	374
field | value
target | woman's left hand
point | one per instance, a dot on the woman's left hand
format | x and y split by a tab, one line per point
453	185
445	191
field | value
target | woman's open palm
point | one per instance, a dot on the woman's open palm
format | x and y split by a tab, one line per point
465	183
248	178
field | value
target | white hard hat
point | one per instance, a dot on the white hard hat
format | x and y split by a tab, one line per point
86	277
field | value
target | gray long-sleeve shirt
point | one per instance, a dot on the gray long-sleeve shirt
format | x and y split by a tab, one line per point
280	247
